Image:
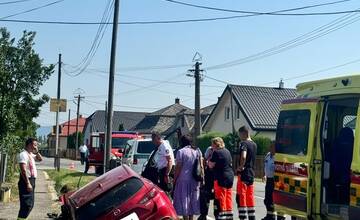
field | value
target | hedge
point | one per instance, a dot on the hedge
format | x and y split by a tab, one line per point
231	140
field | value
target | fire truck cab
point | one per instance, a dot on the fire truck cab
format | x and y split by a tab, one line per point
120	141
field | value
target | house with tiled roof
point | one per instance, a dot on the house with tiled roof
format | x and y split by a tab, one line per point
95	123
161	121
66	129
253	106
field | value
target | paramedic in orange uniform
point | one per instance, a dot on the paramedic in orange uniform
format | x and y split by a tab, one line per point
221	163
246	173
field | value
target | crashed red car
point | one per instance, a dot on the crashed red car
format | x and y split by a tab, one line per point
118	194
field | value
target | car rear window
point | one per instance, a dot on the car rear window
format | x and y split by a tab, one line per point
145	147
110	199
119	143
293	132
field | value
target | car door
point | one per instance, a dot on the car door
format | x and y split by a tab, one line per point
295	141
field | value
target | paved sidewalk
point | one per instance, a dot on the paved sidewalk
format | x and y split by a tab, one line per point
42	206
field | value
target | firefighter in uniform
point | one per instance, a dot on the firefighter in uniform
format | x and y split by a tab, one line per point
246	173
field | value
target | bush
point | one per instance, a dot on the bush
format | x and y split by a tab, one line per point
232	141
263	144
204	140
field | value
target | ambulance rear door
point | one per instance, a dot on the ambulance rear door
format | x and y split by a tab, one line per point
295	141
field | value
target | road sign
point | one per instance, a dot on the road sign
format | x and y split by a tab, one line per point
54	104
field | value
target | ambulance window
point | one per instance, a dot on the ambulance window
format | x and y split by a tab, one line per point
292	132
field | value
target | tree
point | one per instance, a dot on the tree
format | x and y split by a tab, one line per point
72	140
22	72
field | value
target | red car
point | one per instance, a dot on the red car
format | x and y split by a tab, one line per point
118	194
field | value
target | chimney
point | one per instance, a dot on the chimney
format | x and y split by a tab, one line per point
177	101
281	84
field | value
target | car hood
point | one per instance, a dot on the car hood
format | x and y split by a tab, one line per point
101	185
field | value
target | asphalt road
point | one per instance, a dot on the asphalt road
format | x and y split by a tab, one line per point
48	163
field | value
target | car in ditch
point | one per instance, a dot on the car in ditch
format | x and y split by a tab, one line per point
118	194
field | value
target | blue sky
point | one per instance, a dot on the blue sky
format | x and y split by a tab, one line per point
168	44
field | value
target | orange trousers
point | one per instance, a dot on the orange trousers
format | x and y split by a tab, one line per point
245	200
223	199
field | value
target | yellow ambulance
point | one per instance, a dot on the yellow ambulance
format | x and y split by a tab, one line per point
317	162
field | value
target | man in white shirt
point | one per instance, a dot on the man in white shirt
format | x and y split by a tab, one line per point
28	174
83	152
164	160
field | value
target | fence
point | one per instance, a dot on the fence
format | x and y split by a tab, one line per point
259	164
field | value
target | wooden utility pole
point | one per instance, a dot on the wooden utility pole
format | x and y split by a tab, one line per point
57	156
197	75
68	131
79	97
111	86
197	100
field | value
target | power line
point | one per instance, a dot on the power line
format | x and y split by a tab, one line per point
255	13
159	21
321	31
30	10
143	78
315	72
13	2
123	106
86	61
141	68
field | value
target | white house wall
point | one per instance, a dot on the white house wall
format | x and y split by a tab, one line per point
218	123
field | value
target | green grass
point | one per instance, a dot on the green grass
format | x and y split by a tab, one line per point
69	178
13	183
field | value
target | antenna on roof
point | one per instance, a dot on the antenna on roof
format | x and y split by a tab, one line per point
281	84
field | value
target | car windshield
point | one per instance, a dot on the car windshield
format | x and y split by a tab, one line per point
120	143
145	147
109	200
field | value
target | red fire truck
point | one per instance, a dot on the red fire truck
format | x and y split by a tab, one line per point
120	140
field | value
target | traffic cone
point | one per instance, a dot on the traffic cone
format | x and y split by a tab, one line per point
72	166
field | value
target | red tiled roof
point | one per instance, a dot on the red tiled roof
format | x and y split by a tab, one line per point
69	127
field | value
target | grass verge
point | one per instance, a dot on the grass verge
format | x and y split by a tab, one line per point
70	178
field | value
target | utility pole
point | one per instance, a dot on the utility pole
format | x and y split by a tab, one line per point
109	122
57	157
104	162
197	76
79	97
68	133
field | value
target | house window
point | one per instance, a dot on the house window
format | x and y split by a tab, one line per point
237	112
227	113
183	121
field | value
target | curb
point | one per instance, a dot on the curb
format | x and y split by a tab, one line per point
51	188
